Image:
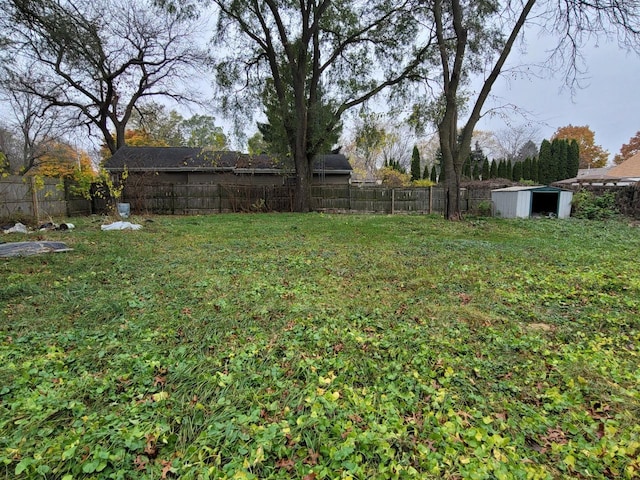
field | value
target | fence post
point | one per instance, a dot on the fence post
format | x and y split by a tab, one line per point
173	199
393	201
34	199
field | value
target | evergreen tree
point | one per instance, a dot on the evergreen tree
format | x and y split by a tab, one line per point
526	169
485	169
442	177
415	164
573	159
466	169
559	159
528	150
517	172
535	170
564	161
475	174
509	170
425	173
502	169
434	174
546	167
493	170
477	158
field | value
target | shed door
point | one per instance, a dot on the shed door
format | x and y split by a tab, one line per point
544	203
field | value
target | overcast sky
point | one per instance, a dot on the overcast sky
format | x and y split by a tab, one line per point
609	103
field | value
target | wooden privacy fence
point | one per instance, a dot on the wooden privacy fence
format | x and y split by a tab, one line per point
26	198
189	199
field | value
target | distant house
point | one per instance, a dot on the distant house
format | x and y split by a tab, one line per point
627	173
184	165
628	170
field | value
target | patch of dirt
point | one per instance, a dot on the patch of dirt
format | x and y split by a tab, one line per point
543	327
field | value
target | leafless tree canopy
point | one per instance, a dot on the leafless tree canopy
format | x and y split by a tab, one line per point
97	59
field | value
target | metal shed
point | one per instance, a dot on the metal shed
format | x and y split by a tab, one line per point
525	202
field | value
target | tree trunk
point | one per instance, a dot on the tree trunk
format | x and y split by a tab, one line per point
452	208
302	200
448	133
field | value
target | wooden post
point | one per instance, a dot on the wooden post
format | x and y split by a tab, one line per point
430	200
34	199
393	200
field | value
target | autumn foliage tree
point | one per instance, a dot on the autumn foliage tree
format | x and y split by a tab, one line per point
58	159
136	137
61	160
628	150
591	155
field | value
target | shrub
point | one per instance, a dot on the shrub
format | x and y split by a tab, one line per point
422	183
594	207
485	208
393	178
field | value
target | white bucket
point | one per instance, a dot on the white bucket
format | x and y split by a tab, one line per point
124	209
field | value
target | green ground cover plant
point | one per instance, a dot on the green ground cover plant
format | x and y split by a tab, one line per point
323	346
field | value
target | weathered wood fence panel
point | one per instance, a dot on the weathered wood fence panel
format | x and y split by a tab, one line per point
26	198
192	199
332	197
378	199
370	200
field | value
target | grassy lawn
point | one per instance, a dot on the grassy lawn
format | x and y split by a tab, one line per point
320	346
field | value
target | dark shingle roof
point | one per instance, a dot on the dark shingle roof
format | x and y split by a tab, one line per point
194	159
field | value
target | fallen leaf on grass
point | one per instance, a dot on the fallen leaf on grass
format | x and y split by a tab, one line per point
150	448
312	458
555	435
166	468
287	464
160	396
140	463
464	298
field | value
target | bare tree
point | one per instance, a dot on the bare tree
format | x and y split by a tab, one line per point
96	60
398	146
510	141
31	125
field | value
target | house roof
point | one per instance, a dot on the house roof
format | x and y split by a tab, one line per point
593	172
629	168
167	159
628	172
535	188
